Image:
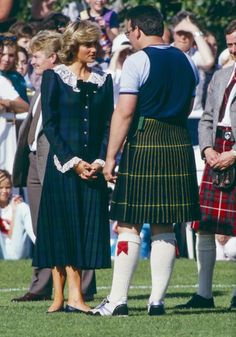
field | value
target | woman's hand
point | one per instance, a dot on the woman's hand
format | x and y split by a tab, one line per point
84	170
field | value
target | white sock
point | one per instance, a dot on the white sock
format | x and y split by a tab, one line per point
206	256
126	260
162	263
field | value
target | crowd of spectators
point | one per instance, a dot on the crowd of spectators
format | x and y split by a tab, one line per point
19	80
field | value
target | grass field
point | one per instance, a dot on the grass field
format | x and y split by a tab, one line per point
30	319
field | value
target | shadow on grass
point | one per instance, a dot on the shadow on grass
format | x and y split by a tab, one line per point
201	311
173	295
173	312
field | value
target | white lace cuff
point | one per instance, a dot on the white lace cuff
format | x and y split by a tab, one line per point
67	166
100	162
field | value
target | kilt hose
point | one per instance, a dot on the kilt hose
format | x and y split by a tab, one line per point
218	208
156	180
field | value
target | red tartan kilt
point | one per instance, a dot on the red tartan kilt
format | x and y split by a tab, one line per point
218	209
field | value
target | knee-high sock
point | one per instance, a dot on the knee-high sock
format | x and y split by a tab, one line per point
206	256
126	260
162	263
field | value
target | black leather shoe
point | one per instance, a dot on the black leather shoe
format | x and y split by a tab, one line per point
103	309
233	303
69	309
54	311
198	302
28	297
156	309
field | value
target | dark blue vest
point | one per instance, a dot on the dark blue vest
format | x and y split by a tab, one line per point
168	90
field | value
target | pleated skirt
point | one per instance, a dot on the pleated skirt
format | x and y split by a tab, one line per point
218	210
73	224
157	180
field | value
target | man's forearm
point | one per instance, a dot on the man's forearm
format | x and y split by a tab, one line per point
119	129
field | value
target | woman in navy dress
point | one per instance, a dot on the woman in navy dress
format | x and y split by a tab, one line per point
73	226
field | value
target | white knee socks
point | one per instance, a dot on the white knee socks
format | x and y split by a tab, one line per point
162	262
206	256
126	259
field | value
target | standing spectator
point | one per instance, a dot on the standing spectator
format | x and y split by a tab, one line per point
121	48
22	68
189	38
24	33
9	101
15	223
217	133
156	181
30	163
8	63
107	20
73	226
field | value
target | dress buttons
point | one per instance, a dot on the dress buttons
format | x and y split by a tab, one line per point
85	145
85	132
85	120
86	107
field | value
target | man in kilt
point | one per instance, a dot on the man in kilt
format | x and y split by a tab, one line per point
156	182
217	133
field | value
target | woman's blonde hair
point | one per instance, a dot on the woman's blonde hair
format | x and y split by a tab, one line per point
47	41
75	35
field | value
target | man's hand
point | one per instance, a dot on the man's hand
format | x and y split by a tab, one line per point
224	160
211	156
186	25
108	170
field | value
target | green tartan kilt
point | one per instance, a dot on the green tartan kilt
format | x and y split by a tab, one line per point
156	180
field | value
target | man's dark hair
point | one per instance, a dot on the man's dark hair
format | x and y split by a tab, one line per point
231	27
147	18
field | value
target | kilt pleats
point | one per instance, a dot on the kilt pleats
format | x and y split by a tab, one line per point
218	208
157	177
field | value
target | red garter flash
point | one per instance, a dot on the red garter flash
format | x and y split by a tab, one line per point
122	247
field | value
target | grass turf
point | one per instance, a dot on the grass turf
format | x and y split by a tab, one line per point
30	319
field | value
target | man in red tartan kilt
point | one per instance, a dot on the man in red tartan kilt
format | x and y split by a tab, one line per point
217	134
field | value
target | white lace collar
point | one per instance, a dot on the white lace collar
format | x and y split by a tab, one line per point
97	76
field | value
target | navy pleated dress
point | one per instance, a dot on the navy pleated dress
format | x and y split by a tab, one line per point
73	224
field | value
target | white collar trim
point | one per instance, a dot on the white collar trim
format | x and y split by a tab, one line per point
97	76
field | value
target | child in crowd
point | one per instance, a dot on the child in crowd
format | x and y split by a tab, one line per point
16	233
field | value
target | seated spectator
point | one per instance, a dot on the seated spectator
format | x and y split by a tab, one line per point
225	247
8	64
16	233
